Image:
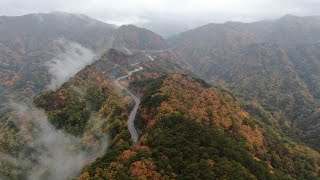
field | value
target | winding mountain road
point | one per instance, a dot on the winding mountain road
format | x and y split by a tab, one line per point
133	113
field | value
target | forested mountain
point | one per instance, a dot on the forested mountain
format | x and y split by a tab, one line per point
288	30
31	44
32	32
272	62
96	82
179	116
132	37
83	108
41	50
255	114
23	38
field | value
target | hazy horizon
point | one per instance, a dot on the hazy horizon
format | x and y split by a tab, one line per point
189	12
160	26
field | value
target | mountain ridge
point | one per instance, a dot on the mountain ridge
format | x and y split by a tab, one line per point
268	62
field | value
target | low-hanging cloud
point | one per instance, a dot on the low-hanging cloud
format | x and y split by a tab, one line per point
58	155
70	60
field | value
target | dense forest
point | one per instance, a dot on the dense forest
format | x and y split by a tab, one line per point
224	140
179	115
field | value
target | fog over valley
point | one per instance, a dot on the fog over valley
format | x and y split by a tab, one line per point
67	64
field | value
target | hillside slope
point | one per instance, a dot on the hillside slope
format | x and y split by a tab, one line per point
189	130
179	115
274	63
82	109
31	44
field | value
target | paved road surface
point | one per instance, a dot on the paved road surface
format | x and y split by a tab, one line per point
133	113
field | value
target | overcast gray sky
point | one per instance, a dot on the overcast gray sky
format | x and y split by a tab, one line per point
193	11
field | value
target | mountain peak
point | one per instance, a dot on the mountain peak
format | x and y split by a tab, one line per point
63	14
289	17
133	37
